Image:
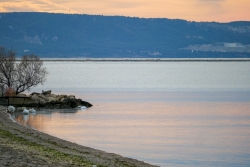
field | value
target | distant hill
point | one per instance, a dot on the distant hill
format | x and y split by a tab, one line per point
75	35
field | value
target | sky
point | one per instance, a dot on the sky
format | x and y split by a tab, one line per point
192	10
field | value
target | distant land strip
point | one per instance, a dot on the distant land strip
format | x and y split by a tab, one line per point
145	59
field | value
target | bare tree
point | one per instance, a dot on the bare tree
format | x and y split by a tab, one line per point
7	66
21	75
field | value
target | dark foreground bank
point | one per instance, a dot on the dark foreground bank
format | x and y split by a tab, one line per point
22	146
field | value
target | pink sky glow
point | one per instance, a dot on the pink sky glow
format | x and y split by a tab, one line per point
192	10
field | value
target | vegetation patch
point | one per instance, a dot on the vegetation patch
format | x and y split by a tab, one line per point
50	155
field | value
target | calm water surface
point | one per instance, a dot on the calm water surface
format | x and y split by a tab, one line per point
164	113
147	76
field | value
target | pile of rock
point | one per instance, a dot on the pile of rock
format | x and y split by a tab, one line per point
48	100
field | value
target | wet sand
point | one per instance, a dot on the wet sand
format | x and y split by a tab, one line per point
22	146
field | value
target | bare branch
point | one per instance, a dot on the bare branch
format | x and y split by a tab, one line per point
21	76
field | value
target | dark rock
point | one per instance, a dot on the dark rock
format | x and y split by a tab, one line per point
57	106
65	106
59	97
85	103
53	101
48	100
73	103
47	105
46	92
42	102
34	93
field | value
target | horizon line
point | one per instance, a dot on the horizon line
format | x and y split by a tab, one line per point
127	16
147	59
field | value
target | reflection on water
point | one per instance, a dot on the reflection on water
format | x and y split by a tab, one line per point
28	120
160	131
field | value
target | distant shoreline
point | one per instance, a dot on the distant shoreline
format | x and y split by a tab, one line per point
147	59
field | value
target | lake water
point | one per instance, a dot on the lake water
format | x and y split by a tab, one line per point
163	113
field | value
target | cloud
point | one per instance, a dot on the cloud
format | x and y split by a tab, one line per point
31	6
125	4
211	0
198	10
212	8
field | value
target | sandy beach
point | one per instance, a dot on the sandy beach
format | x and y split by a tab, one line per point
22	146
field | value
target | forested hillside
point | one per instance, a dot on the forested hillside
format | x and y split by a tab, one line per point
75	35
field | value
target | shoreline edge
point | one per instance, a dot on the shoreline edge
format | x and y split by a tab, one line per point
23	146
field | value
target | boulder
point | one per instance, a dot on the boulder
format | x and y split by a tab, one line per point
42	102
52	101
59	97
73	103
35	97
57	106
65	106
71	96
53	95
34	93
41	96
85	103
63	100
48	95
47	105
46	92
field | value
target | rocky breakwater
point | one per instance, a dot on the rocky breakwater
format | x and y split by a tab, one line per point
51	101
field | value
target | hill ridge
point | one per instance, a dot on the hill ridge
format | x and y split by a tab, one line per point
97	36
